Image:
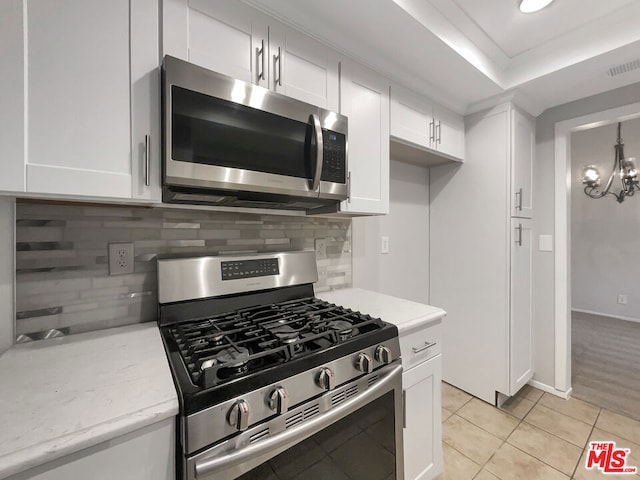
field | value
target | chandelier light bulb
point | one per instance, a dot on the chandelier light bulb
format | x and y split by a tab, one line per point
629	169
590	175
530	6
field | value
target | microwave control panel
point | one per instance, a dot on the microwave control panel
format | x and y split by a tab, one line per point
334	158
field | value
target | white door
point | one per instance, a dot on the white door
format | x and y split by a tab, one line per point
411	117
145	101
364	99
521	321
523	144
12	110
302	68
449	132
225	36
78	100
422	434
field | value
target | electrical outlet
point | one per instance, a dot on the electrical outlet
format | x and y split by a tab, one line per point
384	244
321	248
121	258
622	299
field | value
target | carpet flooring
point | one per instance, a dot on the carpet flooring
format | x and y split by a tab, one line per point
606	362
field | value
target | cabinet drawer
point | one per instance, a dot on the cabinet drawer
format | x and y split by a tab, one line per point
420	344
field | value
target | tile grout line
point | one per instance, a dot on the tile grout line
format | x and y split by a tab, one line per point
584	449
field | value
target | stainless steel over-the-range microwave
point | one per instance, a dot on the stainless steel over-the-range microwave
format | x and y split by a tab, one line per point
230	143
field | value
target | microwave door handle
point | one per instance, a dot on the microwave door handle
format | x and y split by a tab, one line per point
319	151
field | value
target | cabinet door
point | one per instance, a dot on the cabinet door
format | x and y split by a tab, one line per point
364	99
521	322
225	36
147	454
12	110
449	132
302	68
423	426
411	117
522	153
78	101
145	100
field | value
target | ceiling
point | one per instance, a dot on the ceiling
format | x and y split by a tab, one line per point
468	54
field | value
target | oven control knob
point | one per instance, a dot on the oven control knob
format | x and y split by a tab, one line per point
279	400
239	415
364	363
383	354
326	379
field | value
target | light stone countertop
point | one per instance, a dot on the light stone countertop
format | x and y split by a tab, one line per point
405	314
62	395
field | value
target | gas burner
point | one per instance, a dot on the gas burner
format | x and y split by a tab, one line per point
216	339
286	334
345	329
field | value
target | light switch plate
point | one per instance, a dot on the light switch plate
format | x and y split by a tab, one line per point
545	243
384	244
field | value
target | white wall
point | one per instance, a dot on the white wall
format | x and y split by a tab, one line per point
544	182
605	259
7	272
404	271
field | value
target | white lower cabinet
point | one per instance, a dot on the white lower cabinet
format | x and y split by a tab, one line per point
423	427
147	454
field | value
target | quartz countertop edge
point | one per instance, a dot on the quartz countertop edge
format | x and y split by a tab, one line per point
67	394
407	315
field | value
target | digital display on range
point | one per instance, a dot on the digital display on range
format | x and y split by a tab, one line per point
234	270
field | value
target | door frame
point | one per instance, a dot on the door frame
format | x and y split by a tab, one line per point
562	227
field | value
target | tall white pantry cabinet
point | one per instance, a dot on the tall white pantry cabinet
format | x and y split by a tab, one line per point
481	254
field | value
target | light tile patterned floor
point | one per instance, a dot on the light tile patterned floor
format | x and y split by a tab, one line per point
534	436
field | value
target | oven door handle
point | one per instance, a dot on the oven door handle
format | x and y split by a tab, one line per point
208	466
319	150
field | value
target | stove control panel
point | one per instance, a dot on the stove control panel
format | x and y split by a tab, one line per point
233	270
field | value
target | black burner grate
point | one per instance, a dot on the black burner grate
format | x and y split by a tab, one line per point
223	347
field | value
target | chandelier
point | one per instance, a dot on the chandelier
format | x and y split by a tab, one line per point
623	168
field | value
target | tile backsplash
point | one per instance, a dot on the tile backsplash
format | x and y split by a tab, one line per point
62	275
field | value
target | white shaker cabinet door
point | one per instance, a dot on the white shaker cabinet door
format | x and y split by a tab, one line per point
12	109
78	98
364	99
225	36
411	117
147	454
422	434
521	367
302	68
448	132
523	144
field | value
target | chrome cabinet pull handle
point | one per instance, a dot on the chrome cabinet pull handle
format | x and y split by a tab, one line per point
147	160
439	130
260	55
424	347
349	187
519	230
278	59
432	125
519	199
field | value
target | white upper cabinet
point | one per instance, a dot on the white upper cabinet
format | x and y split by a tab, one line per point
523	144
416	121
234	39
302	68
364	99
91	82
12	110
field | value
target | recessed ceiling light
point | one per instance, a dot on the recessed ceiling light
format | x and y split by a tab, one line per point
530	6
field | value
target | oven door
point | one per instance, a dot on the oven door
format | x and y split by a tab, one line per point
340	435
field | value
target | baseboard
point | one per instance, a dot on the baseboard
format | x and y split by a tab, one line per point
552	390
617	317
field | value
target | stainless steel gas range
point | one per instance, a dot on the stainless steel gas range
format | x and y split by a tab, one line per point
273	382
